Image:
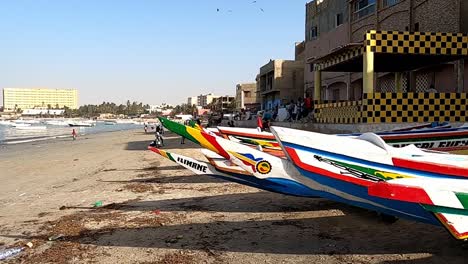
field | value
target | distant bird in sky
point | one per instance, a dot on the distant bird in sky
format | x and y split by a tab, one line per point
262	10
254	2
217	9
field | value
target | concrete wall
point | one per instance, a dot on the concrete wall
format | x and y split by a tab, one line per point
327	42
437	15
247	92
396	17
323	16
431	15
320	47
291	80
288	82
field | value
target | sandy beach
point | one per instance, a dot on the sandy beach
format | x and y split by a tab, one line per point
156	212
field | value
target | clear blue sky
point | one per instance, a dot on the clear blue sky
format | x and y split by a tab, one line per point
152	51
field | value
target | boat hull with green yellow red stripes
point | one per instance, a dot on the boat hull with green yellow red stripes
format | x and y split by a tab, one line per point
366	172
380	190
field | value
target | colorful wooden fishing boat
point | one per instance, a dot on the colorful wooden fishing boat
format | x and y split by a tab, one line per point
442	138
221	168
419	185
256	162
366	172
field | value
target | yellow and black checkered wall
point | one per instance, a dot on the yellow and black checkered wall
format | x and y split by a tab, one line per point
396	108
414	107
338	112
424	43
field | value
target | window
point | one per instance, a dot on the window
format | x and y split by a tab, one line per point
336	94
338	19
313	33
311	67
363	8
390	2
416	26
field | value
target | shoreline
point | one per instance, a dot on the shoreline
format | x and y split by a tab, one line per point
29	139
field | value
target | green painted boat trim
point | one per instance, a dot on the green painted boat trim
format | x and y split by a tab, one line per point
177	128
384	175
445	210
463	197
170	156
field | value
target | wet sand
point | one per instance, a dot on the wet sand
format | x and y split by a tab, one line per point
156	212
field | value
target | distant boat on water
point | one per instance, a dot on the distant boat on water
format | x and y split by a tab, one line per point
57	122
110	123
81	123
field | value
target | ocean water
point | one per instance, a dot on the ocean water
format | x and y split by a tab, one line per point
11	135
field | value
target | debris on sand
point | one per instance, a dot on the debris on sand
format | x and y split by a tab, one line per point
63	252
7	253
139	187
56	237
176	258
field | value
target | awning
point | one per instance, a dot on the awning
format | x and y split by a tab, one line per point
396	51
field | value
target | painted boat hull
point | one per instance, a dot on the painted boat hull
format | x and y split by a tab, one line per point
322	186
436	190
439	139
237	175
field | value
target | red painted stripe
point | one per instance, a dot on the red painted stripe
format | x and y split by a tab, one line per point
400	192
155	150
450	227
215	144
295	158
431	167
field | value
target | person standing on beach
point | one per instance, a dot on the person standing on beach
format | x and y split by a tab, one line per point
159	132
74	134
182	140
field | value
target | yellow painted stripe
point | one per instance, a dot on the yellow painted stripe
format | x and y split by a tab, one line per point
242	158
201	139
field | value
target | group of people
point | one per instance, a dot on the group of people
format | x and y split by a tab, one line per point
296	110
300	109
